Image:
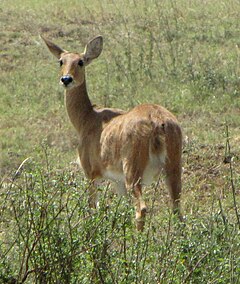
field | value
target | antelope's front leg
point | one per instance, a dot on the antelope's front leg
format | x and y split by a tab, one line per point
93	195
121	189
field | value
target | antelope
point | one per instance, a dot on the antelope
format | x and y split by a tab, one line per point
130	148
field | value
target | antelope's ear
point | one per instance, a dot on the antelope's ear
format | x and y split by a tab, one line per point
93	49
55	50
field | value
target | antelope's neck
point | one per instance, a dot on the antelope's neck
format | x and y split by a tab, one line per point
78	106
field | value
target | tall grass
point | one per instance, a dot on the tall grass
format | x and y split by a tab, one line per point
48	235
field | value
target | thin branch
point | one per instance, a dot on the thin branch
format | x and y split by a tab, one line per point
195	267
228	154
20	168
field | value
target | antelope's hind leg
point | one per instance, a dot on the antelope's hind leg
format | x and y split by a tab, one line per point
133	168
140	206
173	166
173	180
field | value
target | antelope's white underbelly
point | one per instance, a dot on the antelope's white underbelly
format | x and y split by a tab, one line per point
151	172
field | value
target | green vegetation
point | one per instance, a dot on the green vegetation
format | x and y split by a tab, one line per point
184	55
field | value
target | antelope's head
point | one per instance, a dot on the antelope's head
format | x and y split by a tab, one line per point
73	64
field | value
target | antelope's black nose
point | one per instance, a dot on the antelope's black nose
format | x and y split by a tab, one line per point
67	79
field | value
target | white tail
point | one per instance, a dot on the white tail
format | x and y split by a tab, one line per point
130	148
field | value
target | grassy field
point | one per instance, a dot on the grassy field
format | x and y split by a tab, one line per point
184	55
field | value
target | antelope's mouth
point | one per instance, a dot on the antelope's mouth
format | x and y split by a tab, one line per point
69	86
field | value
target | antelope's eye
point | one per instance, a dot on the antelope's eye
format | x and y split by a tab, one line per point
60	62
80	62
